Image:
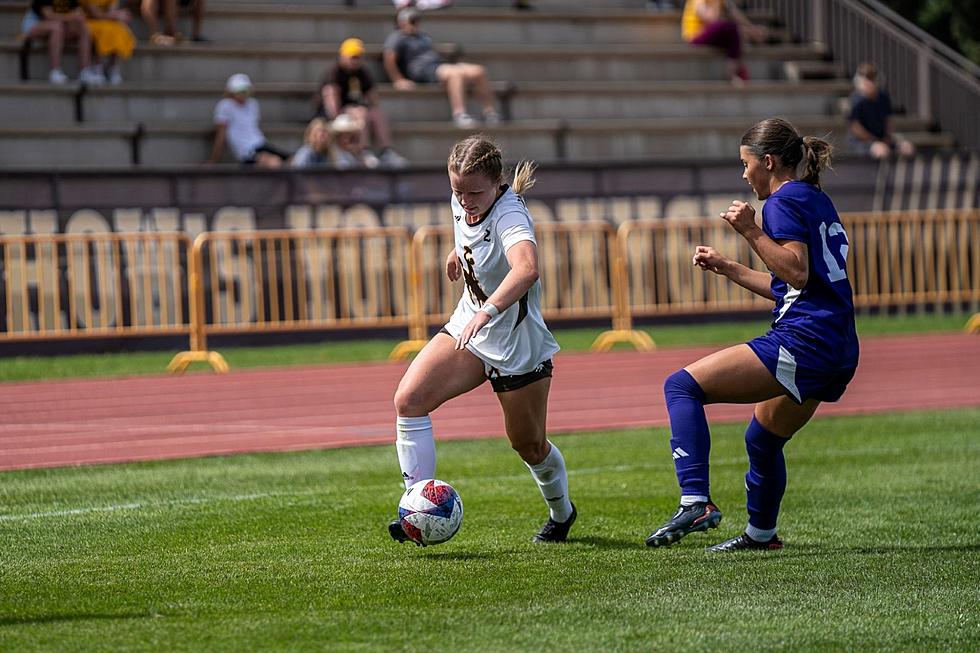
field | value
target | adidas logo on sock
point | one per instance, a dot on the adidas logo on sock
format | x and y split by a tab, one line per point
680	453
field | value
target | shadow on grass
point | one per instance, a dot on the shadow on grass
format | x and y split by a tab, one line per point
818	551
608	542
453	556
912	548
68	618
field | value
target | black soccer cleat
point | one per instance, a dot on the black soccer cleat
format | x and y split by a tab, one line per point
554	531
745	543
398	533
699	516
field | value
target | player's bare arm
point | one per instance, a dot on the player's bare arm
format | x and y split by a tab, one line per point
453	269
709	259
787	259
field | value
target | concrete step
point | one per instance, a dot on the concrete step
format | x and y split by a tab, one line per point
151	103
167	144
304	63
328	26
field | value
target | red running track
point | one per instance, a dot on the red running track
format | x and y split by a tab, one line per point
82	422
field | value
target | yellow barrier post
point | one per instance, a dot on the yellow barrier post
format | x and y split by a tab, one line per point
973	325
417	329
198	341
622	321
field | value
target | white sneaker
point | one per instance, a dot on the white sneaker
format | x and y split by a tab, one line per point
491	118
392	159
57	76
91	76
464	120
114	77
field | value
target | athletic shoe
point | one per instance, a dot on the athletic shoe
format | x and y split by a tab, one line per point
57	76
91	76
113	76
491	118
554	531
699	516
464	120
392	159
745	543
398	533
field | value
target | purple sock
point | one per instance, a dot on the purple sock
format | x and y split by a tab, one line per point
690	441
765	481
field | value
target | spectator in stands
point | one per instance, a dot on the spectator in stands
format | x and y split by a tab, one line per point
59	21
349	88
236	119
349	151
113	39
410	59
871	108
721	24
150	9
422	5
315	152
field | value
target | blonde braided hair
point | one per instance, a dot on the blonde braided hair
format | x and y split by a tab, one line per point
477	154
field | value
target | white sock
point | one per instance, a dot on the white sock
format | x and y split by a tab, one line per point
552	480
759	534
416	449
691	499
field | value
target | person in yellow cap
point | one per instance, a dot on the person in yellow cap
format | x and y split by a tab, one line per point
348	88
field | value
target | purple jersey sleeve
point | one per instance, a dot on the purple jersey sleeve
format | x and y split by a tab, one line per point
783	220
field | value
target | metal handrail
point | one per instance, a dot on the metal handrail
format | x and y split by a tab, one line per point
935	82
920	34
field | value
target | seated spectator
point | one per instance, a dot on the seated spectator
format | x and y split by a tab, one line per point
422	5
111	34
349	151
59	21
236	119
410	59
870	122
150	9
720	23
315	152
349	88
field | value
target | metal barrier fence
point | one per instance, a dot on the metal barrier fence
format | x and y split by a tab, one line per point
285	280
578	264
912	260
93	285
922	259
134	284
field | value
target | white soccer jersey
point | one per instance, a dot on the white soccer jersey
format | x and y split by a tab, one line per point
517	340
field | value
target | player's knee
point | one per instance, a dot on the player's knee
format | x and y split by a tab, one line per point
409	403
531	452
681	385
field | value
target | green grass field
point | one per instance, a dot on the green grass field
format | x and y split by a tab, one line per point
289	551
23	368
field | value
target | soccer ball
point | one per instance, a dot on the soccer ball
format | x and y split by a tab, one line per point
430	512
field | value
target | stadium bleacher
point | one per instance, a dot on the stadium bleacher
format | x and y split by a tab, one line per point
575	83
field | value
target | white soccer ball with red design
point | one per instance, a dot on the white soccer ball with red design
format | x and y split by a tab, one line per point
430	512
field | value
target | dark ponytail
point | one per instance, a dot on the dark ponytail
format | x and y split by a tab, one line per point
816	153
778	138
